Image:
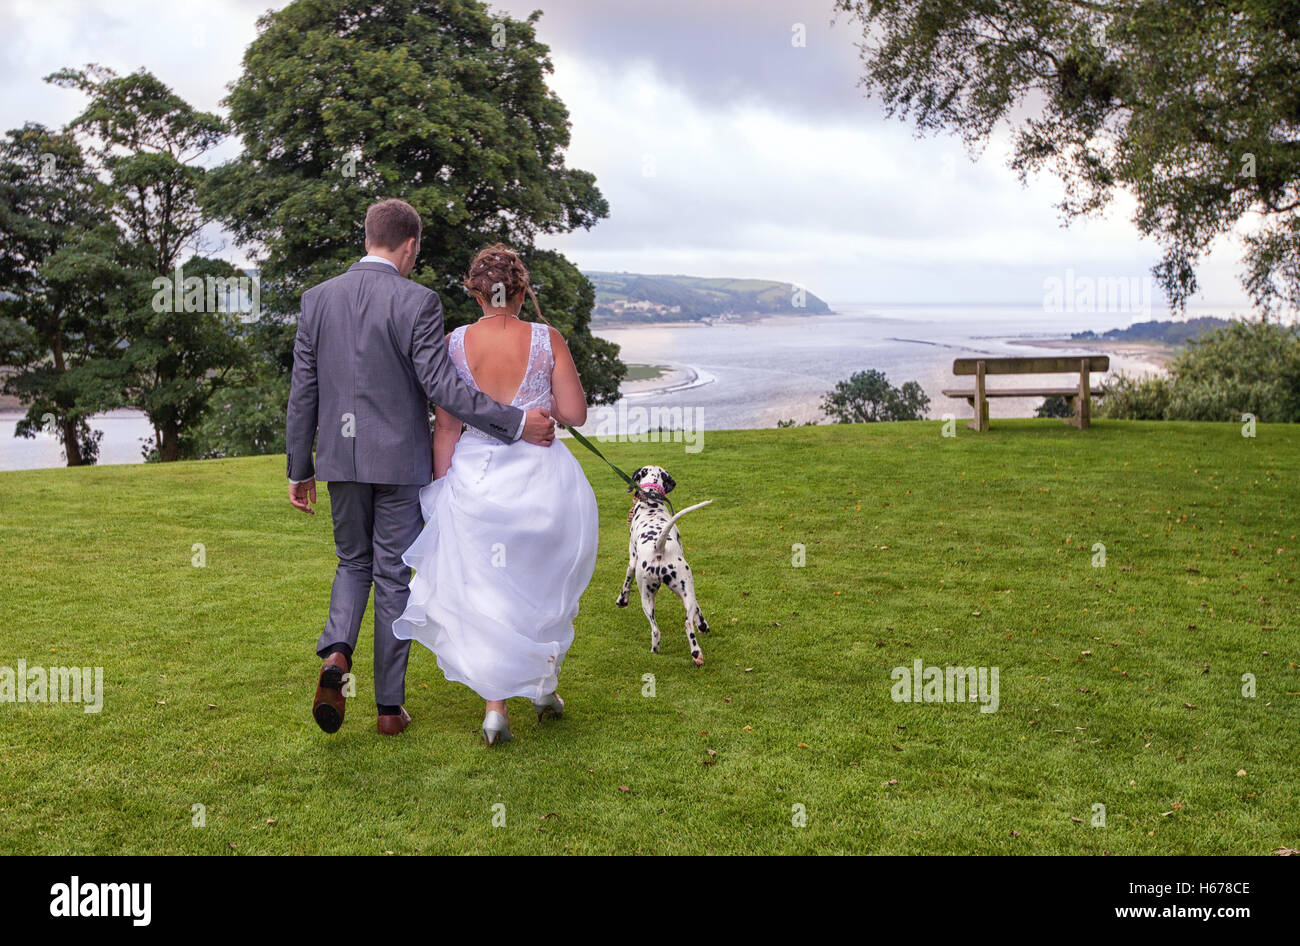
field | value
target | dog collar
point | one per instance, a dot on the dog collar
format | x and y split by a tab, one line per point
645	491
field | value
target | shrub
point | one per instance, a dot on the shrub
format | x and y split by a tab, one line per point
1054	406
1246	367
1128	398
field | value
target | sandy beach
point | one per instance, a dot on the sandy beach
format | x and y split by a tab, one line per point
1154	354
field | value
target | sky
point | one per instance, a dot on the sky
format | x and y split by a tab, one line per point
722	146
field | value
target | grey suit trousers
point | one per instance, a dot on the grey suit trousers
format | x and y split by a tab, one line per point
373	526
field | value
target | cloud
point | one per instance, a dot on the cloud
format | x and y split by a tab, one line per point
723	148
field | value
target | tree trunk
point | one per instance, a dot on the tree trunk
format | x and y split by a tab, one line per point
169	448
71	443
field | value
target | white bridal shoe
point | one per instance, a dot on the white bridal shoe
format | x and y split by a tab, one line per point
495	729
550	703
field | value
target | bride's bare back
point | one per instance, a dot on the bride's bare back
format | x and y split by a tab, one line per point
496	352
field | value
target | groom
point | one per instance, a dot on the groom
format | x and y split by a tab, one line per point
368	358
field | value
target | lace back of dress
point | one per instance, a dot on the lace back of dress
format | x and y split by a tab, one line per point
536	388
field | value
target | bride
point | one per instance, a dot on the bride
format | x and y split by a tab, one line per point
509	542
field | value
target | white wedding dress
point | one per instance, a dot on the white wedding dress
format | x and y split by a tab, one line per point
508	547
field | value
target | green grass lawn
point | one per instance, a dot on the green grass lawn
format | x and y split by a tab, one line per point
1119	686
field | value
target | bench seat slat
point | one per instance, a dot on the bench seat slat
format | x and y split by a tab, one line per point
1023	392
1032	365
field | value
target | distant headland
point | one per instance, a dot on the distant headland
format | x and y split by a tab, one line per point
638	297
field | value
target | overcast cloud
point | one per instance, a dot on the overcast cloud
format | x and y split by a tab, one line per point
723	149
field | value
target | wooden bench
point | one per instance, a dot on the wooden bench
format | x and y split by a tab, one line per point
1080	396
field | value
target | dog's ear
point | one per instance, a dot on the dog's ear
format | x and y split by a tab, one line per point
636	477
669	482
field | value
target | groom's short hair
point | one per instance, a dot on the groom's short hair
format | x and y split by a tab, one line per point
392	222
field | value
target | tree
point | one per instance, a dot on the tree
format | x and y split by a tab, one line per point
245	417
185	346
344	102
60	282
868	396
1192	106
146	142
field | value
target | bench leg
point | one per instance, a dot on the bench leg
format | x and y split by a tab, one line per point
1083	402
979	403
976	422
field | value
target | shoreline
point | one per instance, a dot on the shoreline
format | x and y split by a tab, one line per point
1156	354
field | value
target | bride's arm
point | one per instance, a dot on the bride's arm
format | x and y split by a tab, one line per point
446	434
568	400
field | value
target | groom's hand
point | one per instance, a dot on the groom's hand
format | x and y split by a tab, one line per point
538	427
303	495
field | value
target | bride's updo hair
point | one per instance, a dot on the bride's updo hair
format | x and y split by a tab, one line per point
499	267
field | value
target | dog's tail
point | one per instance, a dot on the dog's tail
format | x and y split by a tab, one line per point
668	526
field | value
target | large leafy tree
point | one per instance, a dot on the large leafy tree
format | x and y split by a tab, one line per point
60	284
147	144
1191	105
343	102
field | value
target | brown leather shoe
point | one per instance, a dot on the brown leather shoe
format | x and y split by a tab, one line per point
394	724
329	705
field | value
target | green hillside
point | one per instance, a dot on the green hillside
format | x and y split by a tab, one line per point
1165	331
635	297
1119	685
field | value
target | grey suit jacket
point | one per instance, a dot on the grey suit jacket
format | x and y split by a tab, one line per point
368	358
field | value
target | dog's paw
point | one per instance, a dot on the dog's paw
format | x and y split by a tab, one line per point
698	658
620	601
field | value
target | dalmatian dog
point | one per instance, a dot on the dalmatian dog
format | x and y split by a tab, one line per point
655	555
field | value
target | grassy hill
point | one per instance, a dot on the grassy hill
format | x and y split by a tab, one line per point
635	297
1119	686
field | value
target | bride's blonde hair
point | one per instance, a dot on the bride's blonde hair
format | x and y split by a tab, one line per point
498	265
